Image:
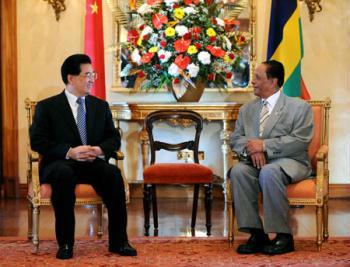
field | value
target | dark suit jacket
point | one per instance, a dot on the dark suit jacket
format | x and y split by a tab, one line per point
54	129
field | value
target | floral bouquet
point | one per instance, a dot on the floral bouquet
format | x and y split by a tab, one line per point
183	41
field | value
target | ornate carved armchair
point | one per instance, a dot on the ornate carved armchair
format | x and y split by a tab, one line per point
310	192
40	195
175	173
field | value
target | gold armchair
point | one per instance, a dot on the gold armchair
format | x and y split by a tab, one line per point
310	192
40	195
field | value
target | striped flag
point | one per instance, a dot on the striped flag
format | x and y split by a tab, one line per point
285	44
94	45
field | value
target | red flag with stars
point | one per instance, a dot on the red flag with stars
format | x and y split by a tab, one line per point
94	45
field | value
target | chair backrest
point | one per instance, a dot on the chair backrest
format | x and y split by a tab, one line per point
321	117
182	117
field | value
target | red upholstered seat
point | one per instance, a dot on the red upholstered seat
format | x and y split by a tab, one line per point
177	173
81	191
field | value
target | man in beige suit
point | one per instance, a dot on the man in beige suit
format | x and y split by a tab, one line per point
271	137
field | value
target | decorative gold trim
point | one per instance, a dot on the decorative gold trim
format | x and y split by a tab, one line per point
58	6
313	6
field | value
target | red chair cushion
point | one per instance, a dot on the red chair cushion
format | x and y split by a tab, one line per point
81	191
177	173
303	189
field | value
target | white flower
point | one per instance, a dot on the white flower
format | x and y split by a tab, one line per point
204	57
146	30
228	43
193	70
170	3
154	39
220	22
190	10
135	57
181	30
166	54
144	9
173	70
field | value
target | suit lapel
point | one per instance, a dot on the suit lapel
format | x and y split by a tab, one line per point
90	116
65	110
276	113
256	108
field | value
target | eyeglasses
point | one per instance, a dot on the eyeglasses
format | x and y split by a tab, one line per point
89	75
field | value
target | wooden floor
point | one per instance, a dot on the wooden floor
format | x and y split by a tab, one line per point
174	219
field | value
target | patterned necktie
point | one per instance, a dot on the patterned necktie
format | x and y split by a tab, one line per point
264	115
81	120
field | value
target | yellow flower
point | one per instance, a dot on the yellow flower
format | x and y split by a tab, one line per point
139	41
192	49
227	59
179	13
211	32
170	31
153	49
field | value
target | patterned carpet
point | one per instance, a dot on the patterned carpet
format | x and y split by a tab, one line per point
172	251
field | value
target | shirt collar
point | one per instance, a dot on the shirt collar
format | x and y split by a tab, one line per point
272	99
72	99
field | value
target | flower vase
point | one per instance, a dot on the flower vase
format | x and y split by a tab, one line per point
185	92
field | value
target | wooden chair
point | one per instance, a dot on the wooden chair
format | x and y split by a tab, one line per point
40	194
175	173
309	192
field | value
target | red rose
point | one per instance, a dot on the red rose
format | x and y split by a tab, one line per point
231	55
133	36
142	26
229	75
214	21
141	74
198	45
163	44
187	36
208	2
212	38
158	67
196	30
175	6
145	37
210	77
176	81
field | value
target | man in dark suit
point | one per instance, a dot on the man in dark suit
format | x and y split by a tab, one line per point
271	137
75	135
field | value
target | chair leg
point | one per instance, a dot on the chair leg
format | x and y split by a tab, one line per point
35	239
30	221
155	209
208	203
230	211
146	207
99	220
194	208
325	219
319	221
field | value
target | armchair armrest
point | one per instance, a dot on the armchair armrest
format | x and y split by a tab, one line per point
322	152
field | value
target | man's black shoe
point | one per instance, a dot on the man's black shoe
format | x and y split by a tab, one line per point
125	249
255	244
64	252
283	243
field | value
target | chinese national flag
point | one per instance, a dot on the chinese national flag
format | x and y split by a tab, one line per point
94	46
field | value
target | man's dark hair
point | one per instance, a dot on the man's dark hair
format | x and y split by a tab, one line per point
275	69
71	65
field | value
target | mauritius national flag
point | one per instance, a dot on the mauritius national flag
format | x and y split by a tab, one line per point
285	44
